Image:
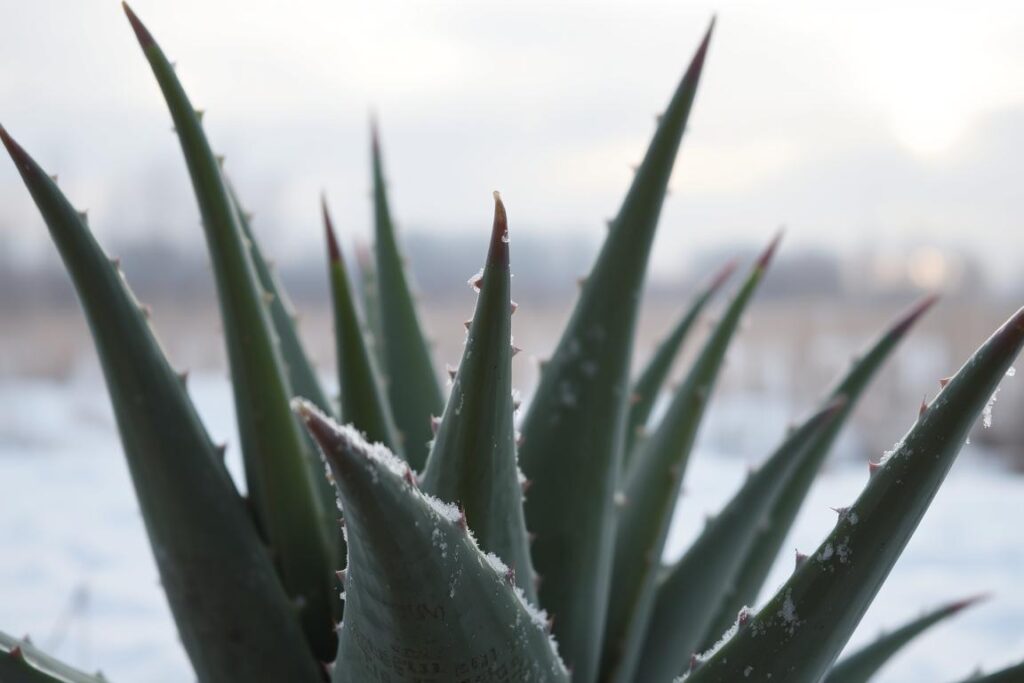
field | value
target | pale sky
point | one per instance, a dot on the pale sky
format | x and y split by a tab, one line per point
853	123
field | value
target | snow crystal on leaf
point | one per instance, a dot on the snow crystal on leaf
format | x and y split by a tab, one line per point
476	280
448	511
986	413
499	567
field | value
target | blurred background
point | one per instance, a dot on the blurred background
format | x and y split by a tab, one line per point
886	137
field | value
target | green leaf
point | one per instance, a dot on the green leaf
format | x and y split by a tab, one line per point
688	591
412	387
473	460
22	662
278	468
573	433
762	554
652	378
860	666
420	596
1011	674
231	612
362	399
801	630
651	489
301	375
369	294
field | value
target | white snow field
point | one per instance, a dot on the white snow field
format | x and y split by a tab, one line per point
76	571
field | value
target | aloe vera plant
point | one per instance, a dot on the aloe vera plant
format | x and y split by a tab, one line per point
425	554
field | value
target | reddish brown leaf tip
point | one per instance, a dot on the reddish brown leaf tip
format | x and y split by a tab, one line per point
322	428
697	64
141	32
333	251
722	275
963	604
907	320
497	255
766	256
18	154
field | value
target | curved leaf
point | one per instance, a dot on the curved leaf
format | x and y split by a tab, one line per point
412	387
801	630
651	489
362	399
652	378
573	433
762	553
688	591
279	472
473	460
860	666
302	378
420	597
231	612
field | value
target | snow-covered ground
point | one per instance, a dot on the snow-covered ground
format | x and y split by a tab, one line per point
76	571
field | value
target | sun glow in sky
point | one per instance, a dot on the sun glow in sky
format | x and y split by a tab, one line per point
892	123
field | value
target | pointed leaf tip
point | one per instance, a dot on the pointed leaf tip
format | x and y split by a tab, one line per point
497	255
913	314
969	601
723	275
319	425
766	256
333	250
18	154
141	32
374	134
697	64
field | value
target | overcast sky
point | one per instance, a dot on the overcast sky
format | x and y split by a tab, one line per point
893	123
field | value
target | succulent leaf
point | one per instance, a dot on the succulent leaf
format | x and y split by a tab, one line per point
473	459
412	386
651	380
768	544
278	468
363	404
231	612
651	486
22	662
573	433
797	635
689	590
301	375
369	294
860	666
420	594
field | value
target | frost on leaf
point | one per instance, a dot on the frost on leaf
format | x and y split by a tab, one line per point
986	413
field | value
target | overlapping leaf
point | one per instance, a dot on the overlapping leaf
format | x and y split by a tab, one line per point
652	377
652	481
473	459
412	386
363	403
573	433
798	634
231	612
421	599
279	471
